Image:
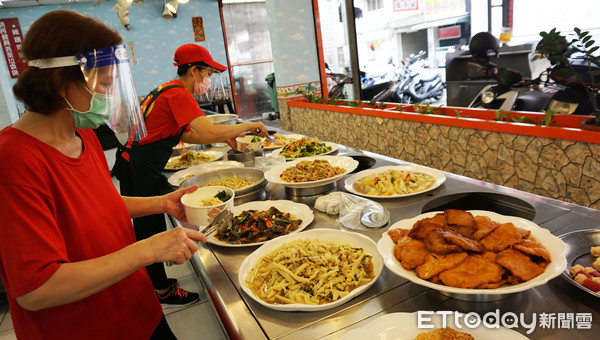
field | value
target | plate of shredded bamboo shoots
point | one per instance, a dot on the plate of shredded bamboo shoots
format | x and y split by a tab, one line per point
311	271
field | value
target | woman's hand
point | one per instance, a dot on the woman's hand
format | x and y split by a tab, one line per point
259	126
171	203
177	245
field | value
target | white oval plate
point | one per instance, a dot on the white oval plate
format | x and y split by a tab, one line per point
177	178
436	174
298	210
334	148
344	162
217	154
553	244
404	326
326	235
291	136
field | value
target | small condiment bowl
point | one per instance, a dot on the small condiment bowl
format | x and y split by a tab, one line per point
201	215
245	143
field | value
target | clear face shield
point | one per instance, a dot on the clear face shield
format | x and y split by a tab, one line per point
108	76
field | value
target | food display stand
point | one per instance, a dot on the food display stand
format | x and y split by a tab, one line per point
558	300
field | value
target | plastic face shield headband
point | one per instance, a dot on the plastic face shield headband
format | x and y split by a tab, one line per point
108	71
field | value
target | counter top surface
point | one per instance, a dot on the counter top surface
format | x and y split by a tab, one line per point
217	267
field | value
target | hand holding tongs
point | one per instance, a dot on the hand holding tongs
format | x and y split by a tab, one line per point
222	219
268	137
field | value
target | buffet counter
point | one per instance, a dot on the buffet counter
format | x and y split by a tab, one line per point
217	268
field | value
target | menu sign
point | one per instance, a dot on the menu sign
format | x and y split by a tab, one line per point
10	33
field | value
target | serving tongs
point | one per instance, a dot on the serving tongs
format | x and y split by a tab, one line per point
222	219
268	137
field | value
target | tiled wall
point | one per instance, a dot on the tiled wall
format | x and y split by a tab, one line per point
553	168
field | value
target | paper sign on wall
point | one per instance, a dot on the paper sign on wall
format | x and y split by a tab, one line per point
10	33
198	29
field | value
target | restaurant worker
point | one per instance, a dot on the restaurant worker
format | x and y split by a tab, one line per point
173	116
68	256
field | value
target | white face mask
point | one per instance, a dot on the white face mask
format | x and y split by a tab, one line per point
202	87
102	107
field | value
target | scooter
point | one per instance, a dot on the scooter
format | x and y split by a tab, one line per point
513	93
340	80
425	84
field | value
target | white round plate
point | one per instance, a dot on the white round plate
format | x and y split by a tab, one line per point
291	136
326	235
436	174
334	148
217	154
298	210
179	177
404	326
553	244
344	162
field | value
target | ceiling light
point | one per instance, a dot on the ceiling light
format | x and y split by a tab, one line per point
166	13
125	3
183	1
172	6
122	14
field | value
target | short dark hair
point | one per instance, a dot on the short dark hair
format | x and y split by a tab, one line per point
58	34
183	69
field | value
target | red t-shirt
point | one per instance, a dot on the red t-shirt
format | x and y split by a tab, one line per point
57	209
173	110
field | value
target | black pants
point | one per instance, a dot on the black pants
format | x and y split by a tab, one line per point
163	331
150	225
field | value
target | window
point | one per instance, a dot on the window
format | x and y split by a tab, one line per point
375	4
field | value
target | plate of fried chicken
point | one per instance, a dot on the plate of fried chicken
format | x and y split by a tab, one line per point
472	252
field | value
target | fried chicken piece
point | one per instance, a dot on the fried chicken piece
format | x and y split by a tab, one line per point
519	264
411	254
488	255
471	273
532	247
461	241
435	264
503	237
484	226
444	334
460	221
436	243
425	225
396	234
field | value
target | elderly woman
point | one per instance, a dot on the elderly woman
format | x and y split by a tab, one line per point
69	260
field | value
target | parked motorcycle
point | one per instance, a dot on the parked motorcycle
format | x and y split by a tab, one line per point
549	91
413	83
340	81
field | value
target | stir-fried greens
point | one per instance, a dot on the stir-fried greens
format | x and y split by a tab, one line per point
253	226
304	147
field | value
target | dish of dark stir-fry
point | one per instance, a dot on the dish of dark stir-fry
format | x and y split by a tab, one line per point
253	226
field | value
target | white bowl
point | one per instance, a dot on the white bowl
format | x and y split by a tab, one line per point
245	143
274	174
203	215
327	235
553	244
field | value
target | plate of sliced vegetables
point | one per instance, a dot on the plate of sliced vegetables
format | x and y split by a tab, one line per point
394	181
306	147
255	223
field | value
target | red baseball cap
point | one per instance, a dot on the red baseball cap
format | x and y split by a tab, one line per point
192	53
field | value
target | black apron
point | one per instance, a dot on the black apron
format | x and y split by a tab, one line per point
143	174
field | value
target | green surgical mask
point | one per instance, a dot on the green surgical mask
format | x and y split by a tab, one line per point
101	109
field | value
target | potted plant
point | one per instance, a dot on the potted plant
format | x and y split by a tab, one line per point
583	71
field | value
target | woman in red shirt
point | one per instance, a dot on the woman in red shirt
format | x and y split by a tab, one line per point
174	116
69	260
